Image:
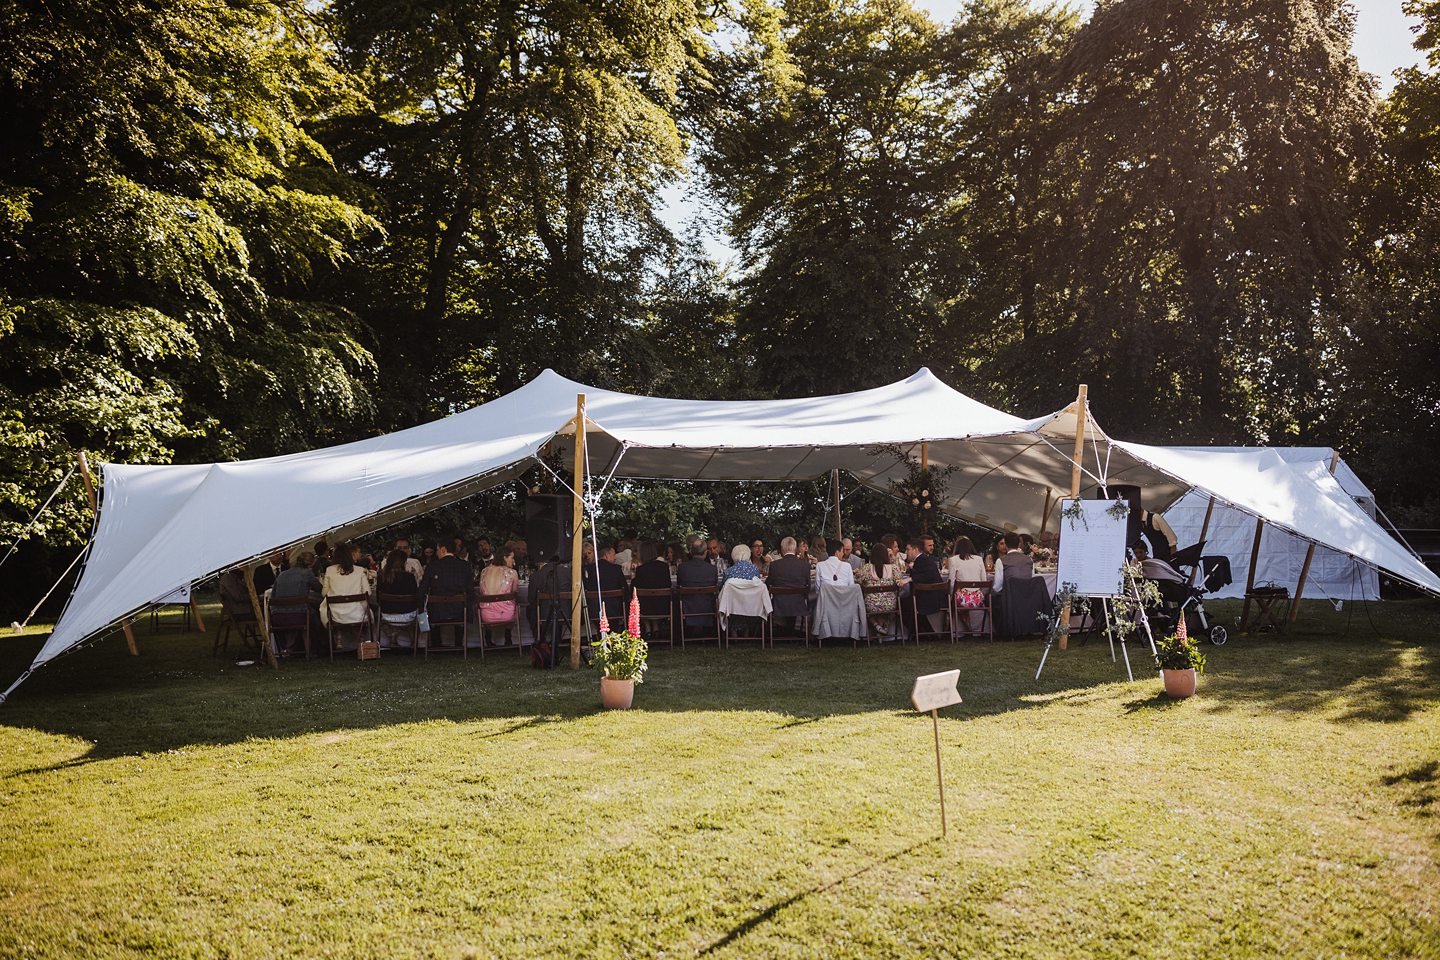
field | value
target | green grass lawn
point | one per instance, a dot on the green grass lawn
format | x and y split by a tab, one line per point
754	804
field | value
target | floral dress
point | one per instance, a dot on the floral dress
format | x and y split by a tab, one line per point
882	602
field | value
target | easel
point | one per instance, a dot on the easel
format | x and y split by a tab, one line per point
1109	632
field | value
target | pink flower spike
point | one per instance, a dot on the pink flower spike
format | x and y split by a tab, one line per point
1180	628
604	621
634	624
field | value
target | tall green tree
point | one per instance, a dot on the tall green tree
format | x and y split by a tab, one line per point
163	216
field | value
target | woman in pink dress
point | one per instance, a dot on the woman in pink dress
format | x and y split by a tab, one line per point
499	577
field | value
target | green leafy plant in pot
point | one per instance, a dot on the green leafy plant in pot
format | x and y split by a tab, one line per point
621	656
1180	661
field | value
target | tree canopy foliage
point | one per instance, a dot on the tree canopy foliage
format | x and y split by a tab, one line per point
233	228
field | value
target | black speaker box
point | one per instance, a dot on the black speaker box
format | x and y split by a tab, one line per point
548	520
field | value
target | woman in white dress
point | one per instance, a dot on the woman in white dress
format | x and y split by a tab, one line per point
345	578
966	566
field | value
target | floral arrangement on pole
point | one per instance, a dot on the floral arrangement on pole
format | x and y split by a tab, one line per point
923	488
621	655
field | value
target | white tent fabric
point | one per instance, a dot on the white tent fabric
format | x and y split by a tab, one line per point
163	527
1301	499
1231	533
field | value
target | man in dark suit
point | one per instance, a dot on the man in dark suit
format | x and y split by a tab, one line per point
923	569
697	571
653	574
447	576
266	573
790	571
612	577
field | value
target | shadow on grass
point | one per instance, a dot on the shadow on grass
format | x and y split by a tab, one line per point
175	695
770	912
1157	701
1420	787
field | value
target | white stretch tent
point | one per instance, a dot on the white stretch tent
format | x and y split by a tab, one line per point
162	527
1231	533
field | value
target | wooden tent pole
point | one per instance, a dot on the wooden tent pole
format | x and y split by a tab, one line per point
90	495
1250	577
577	530
925	472
1204	529
835	495
267	649
1045	514
1309	556
1079	452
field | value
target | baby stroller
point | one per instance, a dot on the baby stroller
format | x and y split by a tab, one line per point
1179	598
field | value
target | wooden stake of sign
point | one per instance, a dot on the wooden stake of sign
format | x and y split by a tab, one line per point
89	479
1309	556
931	692
1079	452
577	529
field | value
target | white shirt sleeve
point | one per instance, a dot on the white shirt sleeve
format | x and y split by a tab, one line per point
999	583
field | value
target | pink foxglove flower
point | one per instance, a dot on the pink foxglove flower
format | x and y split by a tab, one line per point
604	621
634	625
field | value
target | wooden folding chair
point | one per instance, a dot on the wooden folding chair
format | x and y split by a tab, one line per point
457	600
610	595
648	621
987	609
870	590
803	593
381	625
513	623
714	614
244	625
331	625
920	625
295	606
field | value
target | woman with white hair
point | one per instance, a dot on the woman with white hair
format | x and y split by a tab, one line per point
740	567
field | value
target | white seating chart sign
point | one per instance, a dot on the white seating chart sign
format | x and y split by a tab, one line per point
1092	548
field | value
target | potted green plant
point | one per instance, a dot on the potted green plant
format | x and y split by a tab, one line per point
1180	661
621	658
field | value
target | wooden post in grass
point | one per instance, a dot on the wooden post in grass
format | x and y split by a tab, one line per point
577	530
1204	529
267	650
1309	556
90	494
1250	577
1079	453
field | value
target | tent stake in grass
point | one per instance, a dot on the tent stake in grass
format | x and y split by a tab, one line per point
933	691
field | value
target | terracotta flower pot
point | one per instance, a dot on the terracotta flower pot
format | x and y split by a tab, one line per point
1179	683
616	694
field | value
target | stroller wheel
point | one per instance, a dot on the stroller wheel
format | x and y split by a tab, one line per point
1218	635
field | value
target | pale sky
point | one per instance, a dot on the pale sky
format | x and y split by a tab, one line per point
1382	45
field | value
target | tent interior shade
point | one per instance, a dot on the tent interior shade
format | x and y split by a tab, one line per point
161	528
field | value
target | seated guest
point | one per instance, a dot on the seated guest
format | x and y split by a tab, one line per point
966	566
266	573
345	578
1027	543
627	554
850	556
497	579
929	542
416	568
790	571
654	575
1153	568
673	554
757	556
484	552
897	553
879	569
834	569
427	553
447	576
802	550
612	578
741	567
298	580
923	569
522	555
697	571
398	589
1012	564
322	558
818	551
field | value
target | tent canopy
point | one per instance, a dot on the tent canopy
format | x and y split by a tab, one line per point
161	528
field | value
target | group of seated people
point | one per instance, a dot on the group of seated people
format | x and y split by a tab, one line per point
478	581
483	579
